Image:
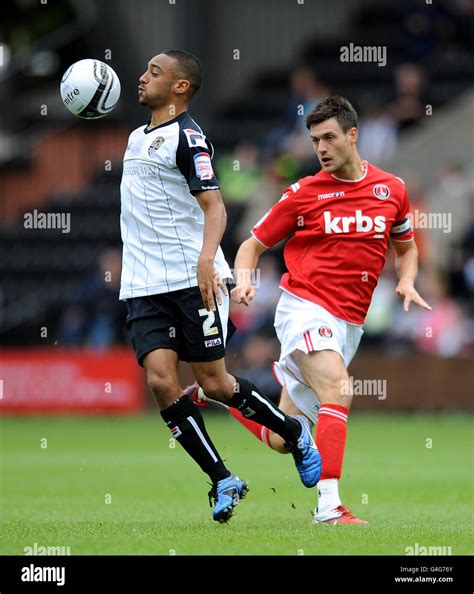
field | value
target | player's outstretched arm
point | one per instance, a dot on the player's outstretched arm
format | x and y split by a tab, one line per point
245	263
215	220
406	267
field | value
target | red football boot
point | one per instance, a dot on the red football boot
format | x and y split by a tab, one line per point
342	516
195	393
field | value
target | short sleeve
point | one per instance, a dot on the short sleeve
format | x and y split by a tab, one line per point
194	160
402	229
279	222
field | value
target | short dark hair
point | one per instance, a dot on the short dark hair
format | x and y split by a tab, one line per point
189	68
334	107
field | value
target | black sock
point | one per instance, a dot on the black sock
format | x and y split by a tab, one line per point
187	427
257	407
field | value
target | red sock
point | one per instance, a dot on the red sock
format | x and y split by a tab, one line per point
331	431
258	430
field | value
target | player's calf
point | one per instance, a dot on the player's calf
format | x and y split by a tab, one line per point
220	388
161	368
277	443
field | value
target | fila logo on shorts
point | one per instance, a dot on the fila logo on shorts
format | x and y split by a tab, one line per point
213	342
325	332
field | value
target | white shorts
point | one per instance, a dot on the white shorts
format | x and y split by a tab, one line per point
308	327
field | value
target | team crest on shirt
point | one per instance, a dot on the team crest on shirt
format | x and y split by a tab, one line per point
325	332
155	145
381	191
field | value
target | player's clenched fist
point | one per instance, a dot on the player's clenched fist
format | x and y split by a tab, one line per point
243	294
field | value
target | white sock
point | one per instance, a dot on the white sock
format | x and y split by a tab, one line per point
328	500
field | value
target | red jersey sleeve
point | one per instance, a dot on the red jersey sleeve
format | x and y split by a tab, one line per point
402	229
279	222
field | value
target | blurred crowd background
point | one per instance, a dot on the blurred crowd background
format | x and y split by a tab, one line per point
416	120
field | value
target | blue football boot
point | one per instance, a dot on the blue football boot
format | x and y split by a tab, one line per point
306	455
227	493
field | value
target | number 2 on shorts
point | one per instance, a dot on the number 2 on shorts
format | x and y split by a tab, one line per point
207	328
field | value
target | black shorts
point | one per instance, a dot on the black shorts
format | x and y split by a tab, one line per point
178	321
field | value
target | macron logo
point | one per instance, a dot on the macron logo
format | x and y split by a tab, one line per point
330	195
362	223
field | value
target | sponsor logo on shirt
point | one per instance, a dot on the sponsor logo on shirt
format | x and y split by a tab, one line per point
203	166
195	138
381	191
360	223
330	195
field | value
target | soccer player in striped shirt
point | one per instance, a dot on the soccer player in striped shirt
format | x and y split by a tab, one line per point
341	221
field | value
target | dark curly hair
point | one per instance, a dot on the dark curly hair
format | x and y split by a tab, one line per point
334	107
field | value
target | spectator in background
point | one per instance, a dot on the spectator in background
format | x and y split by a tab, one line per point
268	284
457	32
443	331
441	34
453	195
461	265
421	29
306	90
418	209
240	175
259	318
267	192
258	355
378	134
380	315
409	104
96	317
467	245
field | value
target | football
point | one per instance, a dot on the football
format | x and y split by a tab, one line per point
90	89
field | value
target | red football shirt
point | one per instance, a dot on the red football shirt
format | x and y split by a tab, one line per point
341	231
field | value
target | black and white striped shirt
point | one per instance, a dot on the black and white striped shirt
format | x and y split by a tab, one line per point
161	221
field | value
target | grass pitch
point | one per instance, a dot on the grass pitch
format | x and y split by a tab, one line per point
115	486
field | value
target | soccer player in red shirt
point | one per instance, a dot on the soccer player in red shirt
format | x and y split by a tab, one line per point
341	221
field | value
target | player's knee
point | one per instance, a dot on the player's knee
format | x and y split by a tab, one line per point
163	388
337	389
